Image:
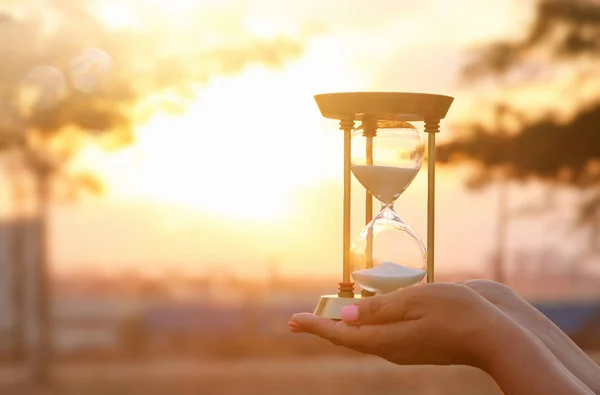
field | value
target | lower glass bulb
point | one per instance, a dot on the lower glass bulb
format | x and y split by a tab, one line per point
387	255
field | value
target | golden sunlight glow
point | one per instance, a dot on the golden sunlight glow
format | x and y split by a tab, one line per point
265	28
122	14
242	149
116	15
179	6
251	169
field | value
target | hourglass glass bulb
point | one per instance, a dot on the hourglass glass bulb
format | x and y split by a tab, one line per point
386	161
387	255
387	277
386	183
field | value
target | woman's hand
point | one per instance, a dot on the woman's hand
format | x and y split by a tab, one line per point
447	324
430	324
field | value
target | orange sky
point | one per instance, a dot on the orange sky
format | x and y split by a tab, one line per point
252	171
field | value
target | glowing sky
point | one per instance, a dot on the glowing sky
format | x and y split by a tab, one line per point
251	170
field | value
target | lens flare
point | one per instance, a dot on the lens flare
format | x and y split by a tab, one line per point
11	123
90	70
41	89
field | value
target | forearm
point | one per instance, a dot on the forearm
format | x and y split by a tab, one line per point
526	315
573	358
567	352
520	364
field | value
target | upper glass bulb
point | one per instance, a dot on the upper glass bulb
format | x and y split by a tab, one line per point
387	162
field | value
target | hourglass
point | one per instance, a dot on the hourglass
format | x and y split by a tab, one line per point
384	152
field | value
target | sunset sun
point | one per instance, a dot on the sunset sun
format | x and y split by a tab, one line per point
242	148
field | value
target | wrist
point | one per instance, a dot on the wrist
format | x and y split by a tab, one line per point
520	363
492	340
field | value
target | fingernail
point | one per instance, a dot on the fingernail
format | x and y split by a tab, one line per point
293	324
350	314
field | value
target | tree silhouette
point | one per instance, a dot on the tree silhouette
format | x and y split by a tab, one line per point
564	34
66	80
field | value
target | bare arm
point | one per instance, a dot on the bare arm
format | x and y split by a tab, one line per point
520	364
524	314
447	324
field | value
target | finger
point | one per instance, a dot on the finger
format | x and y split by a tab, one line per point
310	323
380	309
494	292
337	332
294	327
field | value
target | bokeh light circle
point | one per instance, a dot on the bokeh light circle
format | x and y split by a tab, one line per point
12	125
41	88
90	70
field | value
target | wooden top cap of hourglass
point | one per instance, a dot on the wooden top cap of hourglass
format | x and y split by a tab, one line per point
398	106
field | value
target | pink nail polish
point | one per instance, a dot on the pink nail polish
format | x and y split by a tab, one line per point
350	314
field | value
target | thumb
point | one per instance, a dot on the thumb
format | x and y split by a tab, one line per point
379	309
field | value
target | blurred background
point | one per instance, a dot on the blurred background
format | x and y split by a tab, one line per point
170	194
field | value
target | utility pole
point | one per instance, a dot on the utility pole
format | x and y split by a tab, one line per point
18	273
42	351
499	272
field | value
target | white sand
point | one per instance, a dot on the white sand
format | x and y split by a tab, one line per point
386	183
388	277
